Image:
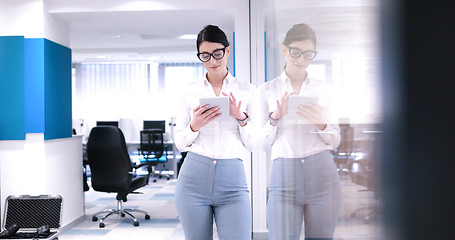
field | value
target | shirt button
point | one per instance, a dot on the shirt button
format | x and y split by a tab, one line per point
214	161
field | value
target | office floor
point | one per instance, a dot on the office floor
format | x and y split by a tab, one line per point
158	200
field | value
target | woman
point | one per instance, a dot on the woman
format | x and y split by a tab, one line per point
212	182
304	182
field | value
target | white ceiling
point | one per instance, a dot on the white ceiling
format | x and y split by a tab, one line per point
122	30
115	31
137	35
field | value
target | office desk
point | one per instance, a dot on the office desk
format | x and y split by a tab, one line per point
133	146
133	151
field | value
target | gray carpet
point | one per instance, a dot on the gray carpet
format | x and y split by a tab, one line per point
158	200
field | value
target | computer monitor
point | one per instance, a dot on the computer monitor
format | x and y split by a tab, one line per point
107	123
157	124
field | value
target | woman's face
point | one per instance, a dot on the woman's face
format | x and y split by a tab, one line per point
301	63
214	66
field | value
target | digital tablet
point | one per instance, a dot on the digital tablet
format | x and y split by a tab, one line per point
296	101
221	102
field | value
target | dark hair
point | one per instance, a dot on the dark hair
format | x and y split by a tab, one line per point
299	32
211	33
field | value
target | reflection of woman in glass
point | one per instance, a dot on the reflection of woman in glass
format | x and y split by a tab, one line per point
304	182
212	182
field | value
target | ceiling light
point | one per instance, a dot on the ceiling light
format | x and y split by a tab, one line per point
116	37
188	36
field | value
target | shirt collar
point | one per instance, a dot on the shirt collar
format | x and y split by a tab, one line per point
228	79
286	80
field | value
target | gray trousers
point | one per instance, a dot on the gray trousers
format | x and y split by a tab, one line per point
210	188
303	190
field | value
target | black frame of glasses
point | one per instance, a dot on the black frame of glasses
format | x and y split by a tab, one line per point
302	53
211	54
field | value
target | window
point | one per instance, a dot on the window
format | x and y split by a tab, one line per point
128	90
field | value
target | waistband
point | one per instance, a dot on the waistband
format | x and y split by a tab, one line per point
314	157
219	161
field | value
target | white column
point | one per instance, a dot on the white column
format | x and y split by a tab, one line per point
259	163
34	166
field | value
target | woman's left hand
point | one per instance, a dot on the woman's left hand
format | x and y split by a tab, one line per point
314	113
234	107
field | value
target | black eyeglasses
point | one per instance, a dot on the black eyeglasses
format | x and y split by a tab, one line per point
296	53
217	54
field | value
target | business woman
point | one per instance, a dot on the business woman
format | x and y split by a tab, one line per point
304	182
212	182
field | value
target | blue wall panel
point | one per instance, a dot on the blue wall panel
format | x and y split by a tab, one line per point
233	54
12	109
57	92
35	88
34	85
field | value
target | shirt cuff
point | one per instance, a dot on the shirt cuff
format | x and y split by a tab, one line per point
190	134
270	128
328	129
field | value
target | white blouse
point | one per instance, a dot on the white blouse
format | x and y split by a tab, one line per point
218	139
292	138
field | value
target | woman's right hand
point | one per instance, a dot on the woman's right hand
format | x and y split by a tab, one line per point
282	106
202	116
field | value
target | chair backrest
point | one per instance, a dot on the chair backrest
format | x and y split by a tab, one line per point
347	140
152	143
107	155
155	124
107	123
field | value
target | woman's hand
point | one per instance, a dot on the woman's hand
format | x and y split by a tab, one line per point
202	116
234	107
314	113
282	106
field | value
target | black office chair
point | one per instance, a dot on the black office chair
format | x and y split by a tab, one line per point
363	176
154	151
364	172
85	167
112	170
343	153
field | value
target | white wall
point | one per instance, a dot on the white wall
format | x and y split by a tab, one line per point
31	19
37	167
24	17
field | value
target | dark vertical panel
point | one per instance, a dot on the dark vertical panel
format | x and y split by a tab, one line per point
418	161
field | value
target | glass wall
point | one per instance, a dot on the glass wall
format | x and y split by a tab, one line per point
347	60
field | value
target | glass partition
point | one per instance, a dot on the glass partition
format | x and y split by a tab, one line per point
347	61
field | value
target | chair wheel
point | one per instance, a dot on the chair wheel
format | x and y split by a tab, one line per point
94	218
154	180
136	224
101	225
168	178
147	217
122	215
